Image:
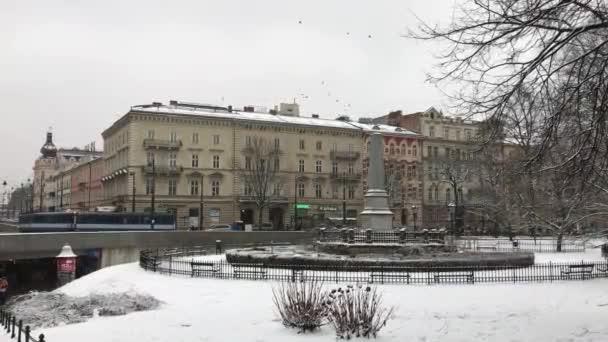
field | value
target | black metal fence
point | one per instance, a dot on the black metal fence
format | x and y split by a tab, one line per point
14	328
529	245
192	262
370	236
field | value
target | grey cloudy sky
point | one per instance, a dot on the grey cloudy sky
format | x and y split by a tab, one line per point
79	65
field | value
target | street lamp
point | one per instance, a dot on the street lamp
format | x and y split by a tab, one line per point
3	195
451	209
414	215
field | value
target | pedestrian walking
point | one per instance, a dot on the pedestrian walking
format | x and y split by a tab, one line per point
3	290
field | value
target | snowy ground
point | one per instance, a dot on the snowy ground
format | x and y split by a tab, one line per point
228	310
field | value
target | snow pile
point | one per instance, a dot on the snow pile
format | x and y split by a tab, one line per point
49	309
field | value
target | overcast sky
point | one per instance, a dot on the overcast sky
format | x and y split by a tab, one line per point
79	65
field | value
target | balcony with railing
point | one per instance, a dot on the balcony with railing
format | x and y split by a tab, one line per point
348	177
160	144
344	155
160	170
271	199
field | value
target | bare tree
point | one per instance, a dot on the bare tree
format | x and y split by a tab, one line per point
558	48
260	173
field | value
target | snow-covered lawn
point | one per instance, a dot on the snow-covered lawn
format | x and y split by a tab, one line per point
198	309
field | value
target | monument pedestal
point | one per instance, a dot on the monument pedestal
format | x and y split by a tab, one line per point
376	215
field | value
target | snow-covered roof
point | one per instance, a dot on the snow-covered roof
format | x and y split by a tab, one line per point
221	112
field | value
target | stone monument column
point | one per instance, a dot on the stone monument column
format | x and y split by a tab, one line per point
376	215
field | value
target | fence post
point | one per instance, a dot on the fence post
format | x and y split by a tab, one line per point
351	235
19	332
368	235
218	246
7	323
344	234
402	235
41	338
27	333
13	329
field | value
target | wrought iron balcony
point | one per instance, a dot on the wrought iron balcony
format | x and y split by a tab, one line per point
348	177
162	144
345	155
271	199
160	170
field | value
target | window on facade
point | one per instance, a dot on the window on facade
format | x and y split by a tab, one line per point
149	185
319	145
414	150
194	187
248	189
318	166
301	165
276	164
457	154
430	193
276	189
446	133
448	152
431	131
468	134
436	193
457	134
302	144
402	149
414	172
318	190
195	138
429	151
300	189
277	143
351	168
334	147
247	141
215	188
173	137
216	139
392	149
173	160
216	162
214	215
248	163
334	167
150	158
172	187
195	160
150	134
351	192
409	171
436	152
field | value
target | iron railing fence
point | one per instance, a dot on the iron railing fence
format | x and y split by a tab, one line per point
196	264
369	236
15	329
530	245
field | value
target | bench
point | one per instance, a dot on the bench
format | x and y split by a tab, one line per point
582	270
390	275
469	277
204	268
255	271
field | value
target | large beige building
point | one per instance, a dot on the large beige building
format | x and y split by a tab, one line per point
182	150
448	161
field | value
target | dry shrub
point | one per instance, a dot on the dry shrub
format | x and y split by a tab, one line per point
357	311
301	305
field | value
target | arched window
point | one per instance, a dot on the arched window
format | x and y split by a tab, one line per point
436	193
430	193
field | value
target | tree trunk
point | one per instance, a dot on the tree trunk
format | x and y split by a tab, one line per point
260	216
560	237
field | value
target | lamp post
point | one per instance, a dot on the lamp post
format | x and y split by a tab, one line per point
451	208
202	205
3	194
153	192
414	215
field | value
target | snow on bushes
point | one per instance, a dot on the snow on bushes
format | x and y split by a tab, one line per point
353	311
301	305
49	309
357	311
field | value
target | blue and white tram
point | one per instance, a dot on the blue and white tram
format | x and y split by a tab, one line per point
94	221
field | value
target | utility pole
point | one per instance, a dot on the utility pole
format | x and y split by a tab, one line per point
132	174
202	207
344	198
153	193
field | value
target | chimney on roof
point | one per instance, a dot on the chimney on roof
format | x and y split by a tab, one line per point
316	116
248	109
229	109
